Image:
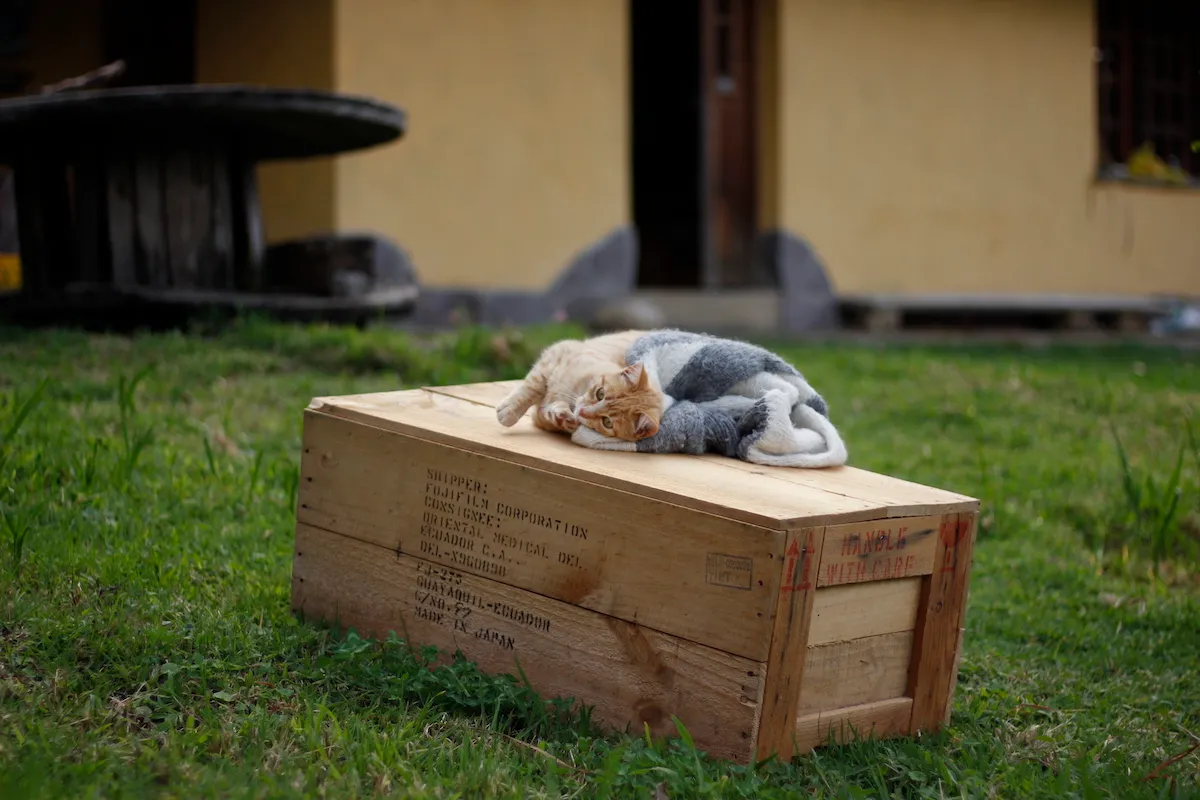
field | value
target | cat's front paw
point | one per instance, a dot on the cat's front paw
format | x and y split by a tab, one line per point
509	414
563	418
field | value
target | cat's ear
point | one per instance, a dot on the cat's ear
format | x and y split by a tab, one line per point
634	374
646	426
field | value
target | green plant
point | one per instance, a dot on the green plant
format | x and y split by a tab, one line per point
17	520
1151	515
24	407
133	440
1143	520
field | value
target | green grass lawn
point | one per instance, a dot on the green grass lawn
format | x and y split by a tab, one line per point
147	647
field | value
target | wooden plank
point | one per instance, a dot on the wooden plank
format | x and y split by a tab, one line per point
122	231
485	394
632	675
150	220
44	221
788	657
843	674
90	257
942	609
883	549
857	610
184	200
31	227
674	569
388	298
954	675
220	272
880	719
679	479
249	237
901	498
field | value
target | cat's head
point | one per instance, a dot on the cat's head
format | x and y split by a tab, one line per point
624	405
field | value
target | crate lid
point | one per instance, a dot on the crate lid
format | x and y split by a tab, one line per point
775	497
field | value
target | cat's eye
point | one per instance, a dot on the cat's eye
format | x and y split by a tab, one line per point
606	422
600	393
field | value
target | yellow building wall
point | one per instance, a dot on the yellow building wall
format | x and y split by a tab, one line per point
950	146
517	153
281	43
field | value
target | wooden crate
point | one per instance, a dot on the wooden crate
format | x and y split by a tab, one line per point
764	607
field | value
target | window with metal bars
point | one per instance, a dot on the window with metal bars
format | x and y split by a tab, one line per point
1148	81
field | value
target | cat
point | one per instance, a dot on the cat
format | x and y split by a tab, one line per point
587	382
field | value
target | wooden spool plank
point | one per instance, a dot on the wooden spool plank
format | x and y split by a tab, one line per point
789	637
710	579
122	228
31	228
182	199
92	262
220	270
44	222
150	220
939	623
678	479
632	675
249	237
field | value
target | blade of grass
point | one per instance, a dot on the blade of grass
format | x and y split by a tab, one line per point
1162	538
24	409
1133	493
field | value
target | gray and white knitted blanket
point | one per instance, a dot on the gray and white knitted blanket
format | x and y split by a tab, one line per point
732	398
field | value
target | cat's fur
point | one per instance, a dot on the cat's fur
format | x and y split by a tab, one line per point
587	382
731	397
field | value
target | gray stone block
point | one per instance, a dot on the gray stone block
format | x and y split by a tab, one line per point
807	300
603	271
338	265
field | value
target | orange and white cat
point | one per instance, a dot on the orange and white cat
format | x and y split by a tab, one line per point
587	382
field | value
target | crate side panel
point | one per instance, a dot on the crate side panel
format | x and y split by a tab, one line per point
878	720
856	610
674	569
675	478
859	671
630	674
883	549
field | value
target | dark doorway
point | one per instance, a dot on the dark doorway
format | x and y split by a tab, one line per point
668	200
728	59
693	141
156	38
